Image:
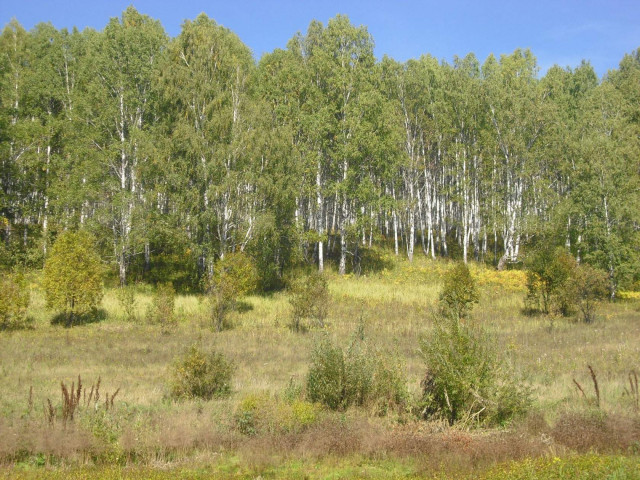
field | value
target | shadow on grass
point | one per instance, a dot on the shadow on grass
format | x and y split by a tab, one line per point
93	316
373	260
242	306
26	324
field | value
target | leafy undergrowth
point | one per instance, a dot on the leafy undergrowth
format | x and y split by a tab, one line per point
268	427
583	467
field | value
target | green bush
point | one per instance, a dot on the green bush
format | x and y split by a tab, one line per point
590	286
127	300
73	275
161	309
309	299
263	413
274	247
548	274
459	293
14	301
327	375
201	375
556	283
359	375
389	390
234	276
465	379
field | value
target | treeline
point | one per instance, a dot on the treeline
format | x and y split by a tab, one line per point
174	152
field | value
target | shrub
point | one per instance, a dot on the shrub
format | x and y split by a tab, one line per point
73	275
549	272
309	298
127	300
263	413
465	378
273	248
14	300
590	286
327	375
201	375
556	283
359	375
459	293
234	276
161	309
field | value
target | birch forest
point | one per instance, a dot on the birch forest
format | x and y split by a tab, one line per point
174	152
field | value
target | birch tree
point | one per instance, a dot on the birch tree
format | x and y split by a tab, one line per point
124	62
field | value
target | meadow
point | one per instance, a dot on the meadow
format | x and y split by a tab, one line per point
579	425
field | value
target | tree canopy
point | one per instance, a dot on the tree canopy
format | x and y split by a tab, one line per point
175	152
73	275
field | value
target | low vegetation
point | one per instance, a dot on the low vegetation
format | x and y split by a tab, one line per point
14	301
160	312
558	284
424	369
201	375
359	374
309	299
233	277
467	381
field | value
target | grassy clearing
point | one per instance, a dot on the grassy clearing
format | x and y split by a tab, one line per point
585	467
147	430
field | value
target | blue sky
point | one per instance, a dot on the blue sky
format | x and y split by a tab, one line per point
560	31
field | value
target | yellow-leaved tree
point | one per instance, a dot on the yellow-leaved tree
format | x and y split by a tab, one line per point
73	275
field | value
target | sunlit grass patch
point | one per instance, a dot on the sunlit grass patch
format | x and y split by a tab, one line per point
396	308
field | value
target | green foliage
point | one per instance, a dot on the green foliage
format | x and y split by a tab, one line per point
360	375
274	246
127	300
556	283
327	375
201	374
309	298
311	152
73	275
466	381
459	293
161	310
14	301
267	414
234	276
589	286
549	271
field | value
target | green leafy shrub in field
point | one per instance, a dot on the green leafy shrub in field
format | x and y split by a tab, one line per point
73	275
358	375
264	413
556	283
309	299
274	246
590	286
327	375
127	300
549	273
14	300
161	309
234	276
201	375
465	379
459	293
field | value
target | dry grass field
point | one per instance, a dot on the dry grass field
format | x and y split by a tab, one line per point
145	434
